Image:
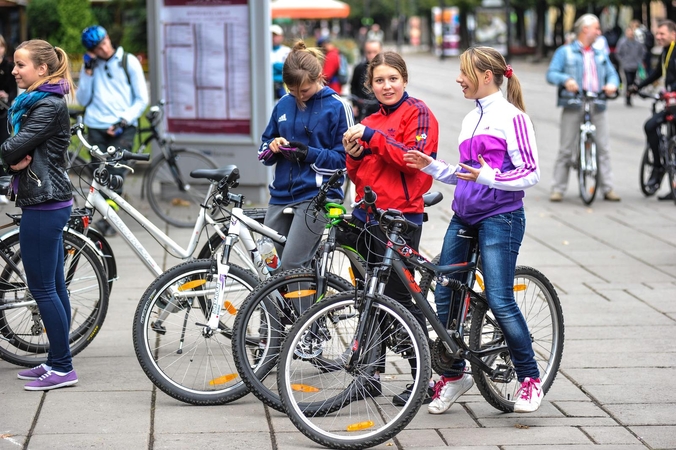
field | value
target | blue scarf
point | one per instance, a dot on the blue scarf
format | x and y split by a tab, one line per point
27	99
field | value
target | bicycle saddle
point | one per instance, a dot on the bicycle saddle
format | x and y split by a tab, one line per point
230	171
432	198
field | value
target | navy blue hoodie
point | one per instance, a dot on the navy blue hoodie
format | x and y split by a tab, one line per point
320	126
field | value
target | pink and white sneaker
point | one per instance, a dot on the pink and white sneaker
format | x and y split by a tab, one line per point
529	396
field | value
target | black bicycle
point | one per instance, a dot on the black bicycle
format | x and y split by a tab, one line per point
667	146
377	347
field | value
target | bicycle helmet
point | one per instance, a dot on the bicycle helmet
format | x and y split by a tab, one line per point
92	36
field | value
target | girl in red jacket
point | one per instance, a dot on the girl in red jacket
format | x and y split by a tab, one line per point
375	157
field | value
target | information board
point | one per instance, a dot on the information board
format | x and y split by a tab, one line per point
206	66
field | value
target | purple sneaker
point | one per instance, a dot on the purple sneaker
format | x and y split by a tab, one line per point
33	374
52	380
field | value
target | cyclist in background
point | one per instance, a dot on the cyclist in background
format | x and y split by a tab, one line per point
36	155
577	66
376	148
666	37
114	93
331	63
303	143
370	105
499	159
277	58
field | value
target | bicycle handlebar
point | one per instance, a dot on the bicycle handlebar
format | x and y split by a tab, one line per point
112	154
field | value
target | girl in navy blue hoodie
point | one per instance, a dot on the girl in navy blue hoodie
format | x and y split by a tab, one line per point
303	142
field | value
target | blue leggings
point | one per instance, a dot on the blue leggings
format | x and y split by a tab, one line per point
41	240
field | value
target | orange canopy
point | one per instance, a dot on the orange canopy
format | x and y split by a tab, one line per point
309	9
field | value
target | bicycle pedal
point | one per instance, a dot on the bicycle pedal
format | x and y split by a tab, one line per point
503	374
158	328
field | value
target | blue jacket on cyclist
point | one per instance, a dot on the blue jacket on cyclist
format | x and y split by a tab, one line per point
568	62
303	141
320	127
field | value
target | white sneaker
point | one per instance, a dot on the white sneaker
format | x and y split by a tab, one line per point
3	200
529	396
447	392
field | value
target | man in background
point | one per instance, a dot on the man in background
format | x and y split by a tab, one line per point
365	102
277	58
114	93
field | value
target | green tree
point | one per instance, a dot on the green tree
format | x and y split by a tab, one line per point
60	22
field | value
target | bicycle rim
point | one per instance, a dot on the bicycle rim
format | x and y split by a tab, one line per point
539	303
647	166
346	408
23	338
172	193
587	170
263	321
172	343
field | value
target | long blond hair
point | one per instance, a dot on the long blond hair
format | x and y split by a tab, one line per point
56	60
482	59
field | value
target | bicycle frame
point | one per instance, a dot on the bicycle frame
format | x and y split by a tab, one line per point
98	202
395	255
587	128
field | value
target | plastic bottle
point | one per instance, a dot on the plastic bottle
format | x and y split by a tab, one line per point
268	252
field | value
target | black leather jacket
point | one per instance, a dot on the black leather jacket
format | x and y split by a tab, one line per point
45	135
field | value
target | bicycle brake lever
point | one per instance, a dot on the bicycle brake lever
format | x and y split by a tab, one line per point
118	165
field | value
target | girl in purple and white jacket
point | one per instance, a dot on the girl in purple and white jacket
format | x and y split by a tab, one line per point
498	160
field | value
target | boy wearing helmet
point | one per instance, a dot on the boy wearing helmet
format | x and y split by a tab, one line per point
113	90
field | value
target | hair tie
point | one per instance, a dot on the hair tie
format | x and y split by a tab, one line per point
508	71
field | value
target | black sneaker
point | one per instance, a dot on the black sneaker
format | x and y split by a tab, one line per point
401	399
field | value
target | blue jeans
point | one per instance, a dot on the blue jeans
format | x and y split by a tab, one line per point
500	238
41	241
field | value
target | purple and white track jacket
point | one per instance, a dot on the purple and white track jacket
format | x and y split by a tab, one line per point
504	136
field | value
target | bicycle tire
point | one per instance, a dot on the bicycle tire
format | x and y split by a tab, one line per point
201	372
177	205
540	305
344	408
671	168
645	171
24	340
261	324
587	169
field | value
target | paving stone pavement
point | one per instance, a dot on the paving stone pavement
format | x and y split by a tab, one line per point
613	265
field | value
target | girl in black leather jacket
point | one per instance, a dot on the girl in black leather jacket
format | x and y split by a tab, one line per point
36	156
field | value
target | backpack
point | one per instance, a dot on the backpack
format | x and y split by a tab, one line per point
343	74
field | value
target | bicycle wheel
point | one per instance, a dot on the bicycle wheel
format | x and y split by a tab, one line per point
646	170
177	352
263	321
587	169
671	168
23	340
540	306
350	406
172	194
81	176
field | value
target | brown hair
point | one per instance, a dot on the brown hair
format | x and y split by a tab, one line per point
389	58
482	59
302	65
56	60
671	26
